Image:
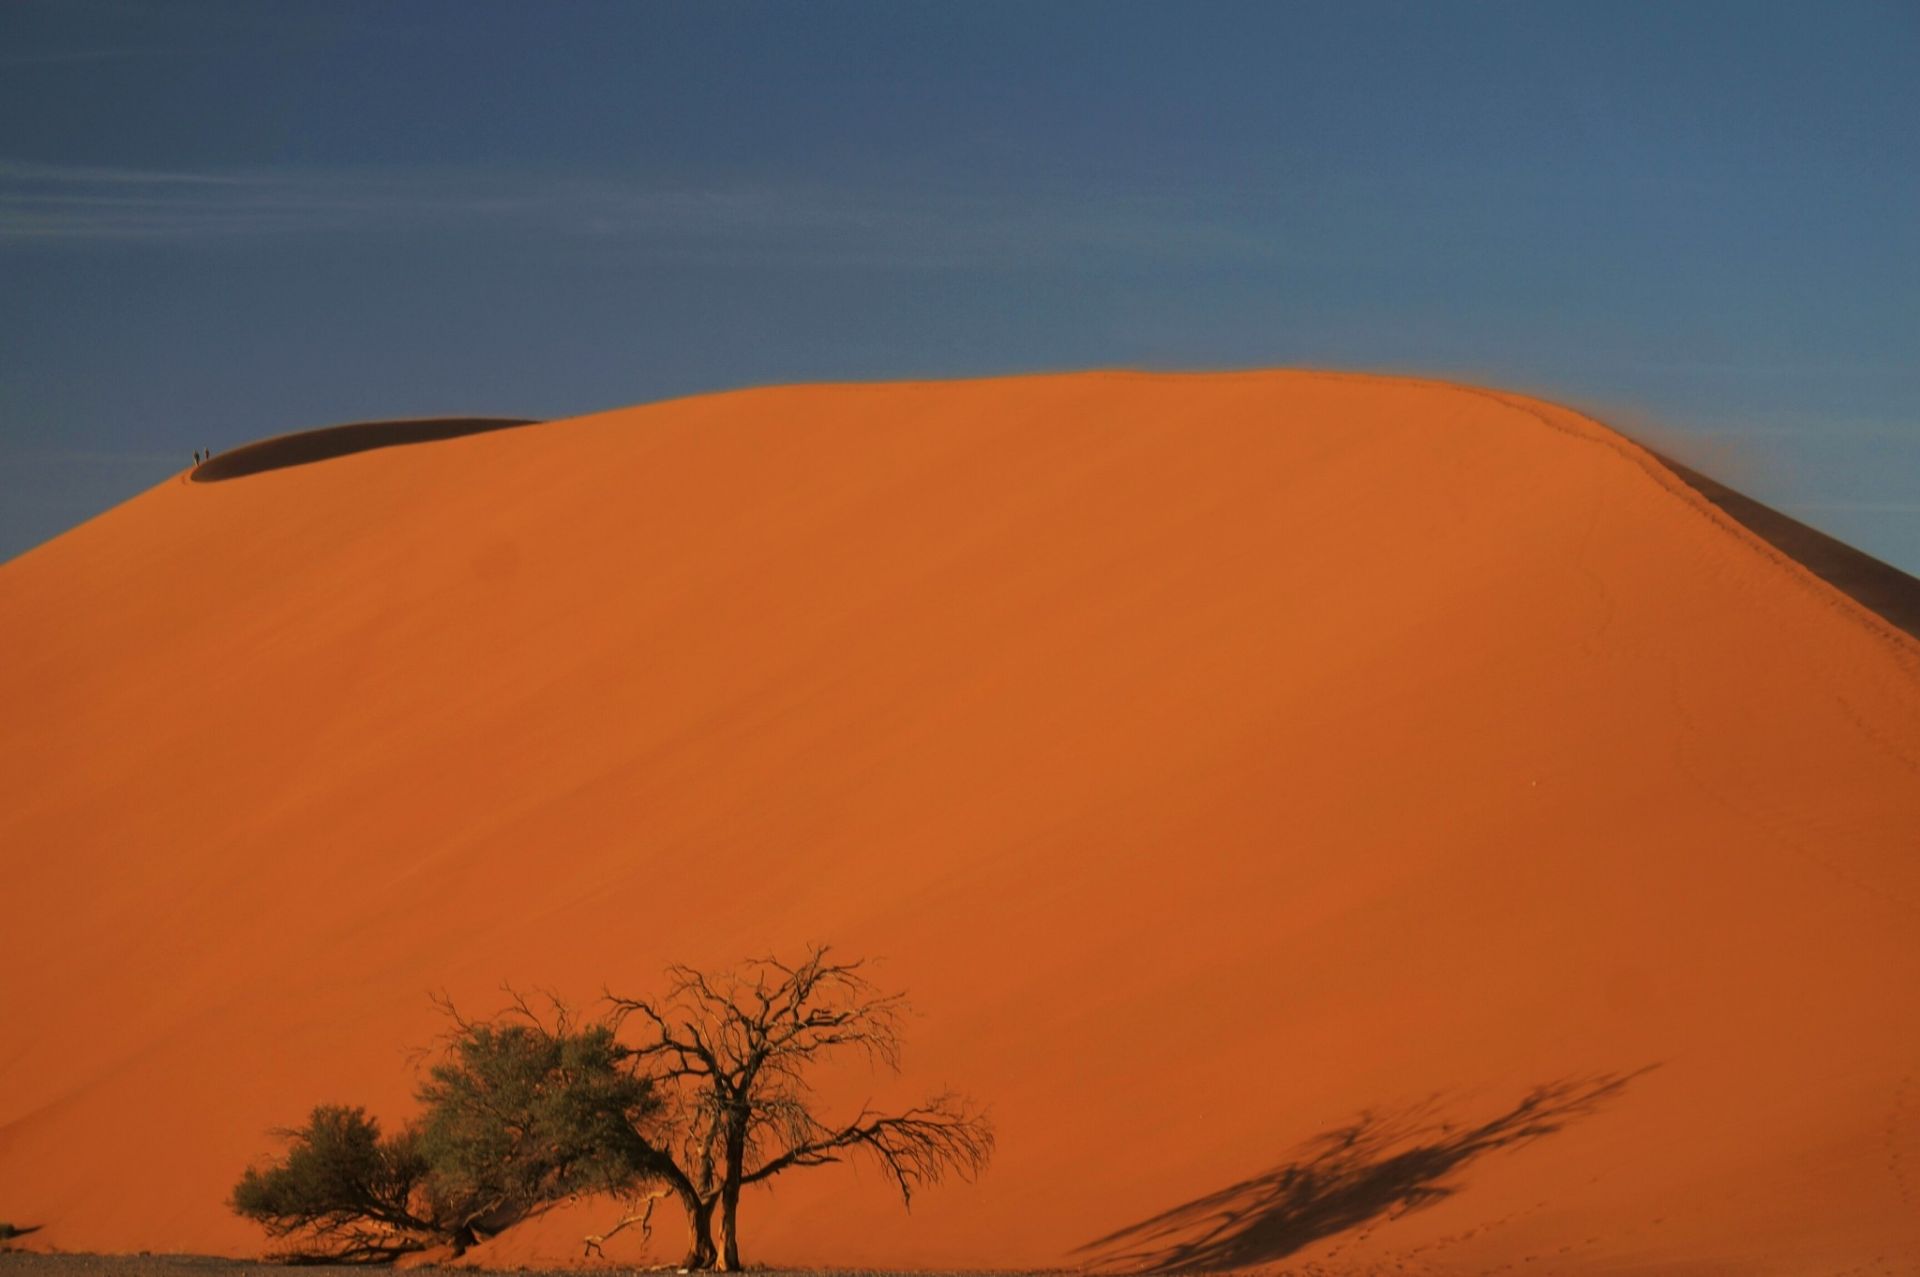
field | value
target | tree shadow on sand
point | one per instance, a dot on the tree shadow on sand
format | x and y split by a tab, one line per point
1371	1171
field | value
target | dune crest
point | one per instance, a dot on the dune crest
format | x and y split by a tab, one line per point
1228	765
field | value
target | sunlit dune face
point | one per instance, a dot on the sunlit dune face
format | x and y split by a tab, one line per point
1329	820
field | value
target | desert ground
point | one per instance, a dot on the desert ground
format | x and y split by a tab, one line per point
29	1264
1338	824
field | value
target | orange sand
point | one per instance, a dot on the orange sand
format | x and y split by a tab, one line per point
1212	757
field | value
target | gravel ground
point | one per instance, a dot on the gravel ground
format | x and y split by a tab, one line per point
18	1263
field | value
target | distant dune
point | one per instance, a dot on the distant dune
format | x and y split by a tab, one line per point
1351	824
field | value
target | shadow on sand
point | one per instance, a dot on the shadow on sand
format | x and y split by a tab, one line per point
1373	1170
309	446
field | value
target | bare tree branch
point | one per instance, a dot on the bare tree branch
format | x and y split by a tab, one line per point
737	1049
643	1217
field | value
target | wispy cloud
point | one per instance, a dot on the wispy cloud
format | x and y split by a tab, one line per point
66	202
64	57
926	226
54	176
91	457
62	467
1872	507
1825	428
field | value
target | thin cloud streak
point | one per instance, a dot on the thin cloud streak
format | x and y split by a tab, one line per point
87	457
1821	429
1873	507
815	224
83	175
68	56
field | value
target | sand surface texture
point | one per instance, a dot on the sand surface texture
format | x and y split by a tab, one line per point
1346	824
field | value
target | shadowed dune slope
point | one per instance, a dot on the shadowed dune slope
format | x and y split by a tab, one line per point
304	447
1332	820
1879	587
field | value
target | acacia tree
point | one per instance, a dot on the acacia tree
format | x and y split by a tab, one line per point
343	1189
518	1115
730	1054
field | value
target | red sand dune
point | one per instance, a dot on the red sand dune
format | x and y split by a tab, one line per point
1214	758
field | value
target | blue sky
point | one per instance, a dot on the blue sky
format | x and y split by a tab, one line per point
220	221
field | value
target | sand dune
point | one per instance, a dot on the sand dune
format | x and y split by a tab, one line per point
1351	824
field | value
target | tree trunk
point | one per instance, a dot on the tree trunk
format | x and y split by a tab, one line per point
699	1237
700	1252
730	1191
730	1228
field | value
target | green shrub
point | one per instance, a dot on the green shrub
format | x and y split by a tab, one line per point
342	1189
518	1116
